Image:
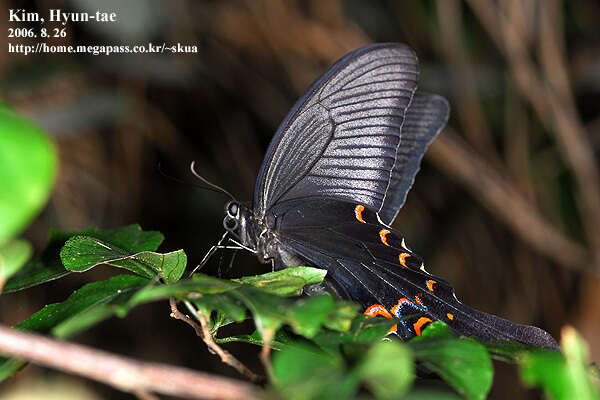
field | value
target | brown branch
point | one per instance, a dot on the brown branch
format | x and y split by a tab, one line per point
570	130
121	372
452	156
204	332
552	100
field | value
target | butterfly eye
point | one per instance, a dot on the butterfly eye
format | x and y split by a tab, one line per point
230	224
232	209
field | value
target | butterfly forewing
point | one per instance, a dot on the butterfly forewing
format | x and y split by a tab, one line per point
341	138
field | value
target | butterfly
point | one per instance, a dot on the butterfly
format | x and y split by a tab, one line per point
334	177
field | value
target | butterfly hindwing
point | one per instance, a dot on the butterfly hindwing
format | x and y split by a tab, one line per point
425	118
371	264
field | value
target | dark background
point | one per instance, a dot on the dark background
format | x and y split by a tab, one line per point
506	206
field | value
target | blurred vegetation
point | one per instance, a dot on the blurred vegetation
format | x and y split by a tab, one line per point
506	207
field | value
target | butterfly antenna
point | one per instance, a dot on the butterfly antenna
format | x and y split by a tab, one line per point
203	179
174	179
164	174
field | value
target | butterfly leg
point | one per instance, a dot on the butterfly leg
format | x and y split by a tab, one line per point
210	253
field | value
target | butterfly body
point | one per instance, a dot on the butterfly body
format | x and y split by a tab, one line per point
332	182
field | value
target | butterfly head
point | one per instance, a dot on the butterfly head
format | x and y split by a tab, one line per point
240	223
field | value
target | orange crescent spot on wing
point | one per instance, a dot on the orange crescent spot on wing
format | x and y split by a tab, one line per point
419	324
430	284
393	329
358	213
402	257
450	316
396	308
382	235
377	309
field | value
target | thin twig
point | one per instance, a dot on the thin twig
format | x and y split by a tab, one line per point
468	105
265	353
122	372
571	132
203	330
175	313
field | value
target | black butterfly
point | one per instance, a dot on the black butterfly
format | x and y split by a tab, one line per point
333	179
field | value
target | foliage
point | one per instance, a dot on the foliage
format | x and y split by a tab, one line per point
324	347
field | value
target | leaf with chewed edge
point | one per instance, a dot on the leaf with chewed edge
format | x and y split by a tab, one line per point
80	253
48	266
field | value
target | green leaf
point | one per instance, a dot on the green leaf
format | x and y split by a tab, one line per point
561	376
281	340
130	238
43	268
29	165
116	290
342	316
73	315
549	371
270	312
13	255
509	351
48	265
173	264
286	282
225	305
429	394
388	369
435	330
80	253
304	372
363	330
193	289
308	315
97	301
463	363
